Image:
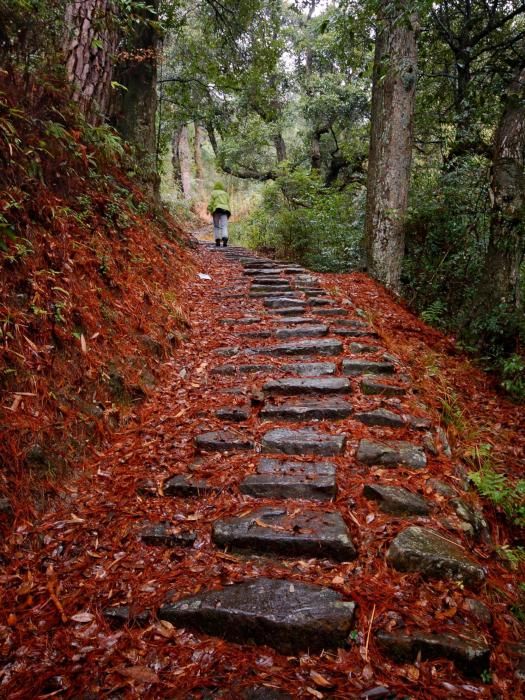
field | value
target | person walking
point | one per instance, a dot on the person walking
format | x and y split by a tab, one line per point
219	208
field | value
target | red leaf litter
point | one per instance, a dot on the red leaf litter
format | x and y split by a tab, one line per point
61	569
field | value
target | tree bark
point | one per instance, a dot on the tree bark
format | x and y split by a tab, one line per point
197	156
136	113
89	49
185	162
391	141
280	147
175	160
499	287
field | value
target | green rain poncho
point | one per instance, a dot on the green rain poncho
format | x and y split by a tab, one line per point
219	199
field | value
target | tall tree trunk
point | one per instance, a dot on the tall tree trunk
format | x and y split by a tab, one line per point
391	140
197	154
175	160
213	137
499	287
137	109
280	147
185	162
89	50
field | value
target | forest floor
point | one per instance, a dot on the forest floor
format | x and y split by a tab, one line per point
91	552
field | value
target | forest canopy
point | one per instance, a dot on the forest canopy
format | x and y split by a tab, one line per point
376	135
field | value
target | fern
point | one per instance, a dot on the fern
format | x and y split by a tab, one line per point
504	494
434	314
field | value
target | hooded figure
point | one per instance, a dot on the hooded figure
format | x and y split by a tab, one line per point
219	208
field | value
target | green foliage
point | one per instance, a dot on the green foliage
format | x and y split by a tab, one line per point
509	497
513	373
435	313
306	221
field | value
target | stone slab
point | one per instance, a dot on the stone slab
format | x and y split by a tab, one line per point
270	281
382	417
391	453
301	331
184	486
274	294
319	301
363	349
323	346
296	320
428	553
353	333
290	311
396	500
300	386
353	367
286	532
303	442
288	479
223	441
120	615
255	334
262	271
237	414
372	386
287	615
334	311
230	370
470	654
328	409
283	302
310	369
240	321
167	535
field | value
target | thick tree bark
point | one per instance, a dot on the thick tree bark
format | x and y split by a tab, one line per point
499	287
175	161
280	147
185	162
137	109
89	49
391	141
197	156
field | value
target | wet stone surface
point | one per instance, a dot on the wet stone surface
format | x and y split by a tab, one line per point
353	333
287	615
301	410
222	441
230	370
334	311
303	347
353	367
240	321
372	386
382	417
470	655
282	302
301	331
391	453
308	385
288	479
167	535
295	320
236	414
310	369
396	500
290	311
121	615
185	486
303	442
274	294
427	552
282	531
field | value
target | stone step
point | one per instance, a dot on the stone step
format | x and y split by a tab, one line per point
319	301
269	281
396	500
353	333
302	347
286	615
370	386
266	288
381	416
310	533
223	441
302	331
290	311
391	453
297	386
332	409
353	323
263	271
310	369
303	442
334	311
166	534
120	615
287	479
182	485
296	320
469	653
312	291
354	367
240	321
363	349
274	294
283	302
256	334
231	370
428	553
237	414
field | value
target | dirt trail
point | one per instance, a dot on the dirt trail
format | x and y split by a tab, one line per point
292	454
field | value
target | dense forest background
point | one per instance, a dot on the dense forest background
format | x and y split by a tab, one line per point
374	135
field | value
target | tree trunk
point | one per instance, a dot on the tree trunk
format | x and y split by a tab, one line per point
197	154
280	147
175	160
391	140
136	114
499	288
89	50
185	162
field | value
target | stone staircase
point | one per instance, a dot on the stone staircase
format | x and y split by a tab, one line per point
312	363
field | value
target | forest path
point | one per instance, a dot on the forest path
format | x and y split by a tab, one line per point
289	455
